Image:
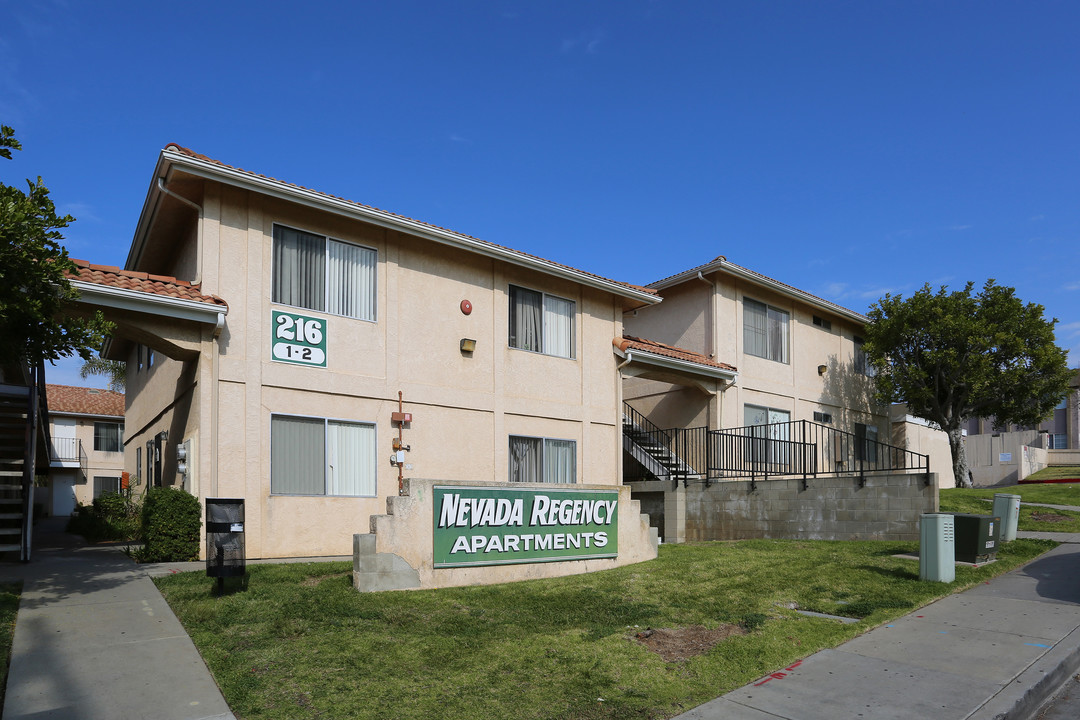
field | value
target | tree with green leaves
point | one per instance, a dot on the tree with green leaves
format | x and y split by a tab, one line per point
34	288
952	356
115	370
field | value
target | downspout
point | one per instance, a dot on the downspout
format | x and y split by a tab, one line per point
198	231
215	372
710	346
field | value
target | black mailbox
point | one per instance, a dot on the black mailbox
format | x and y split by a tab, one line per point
225	555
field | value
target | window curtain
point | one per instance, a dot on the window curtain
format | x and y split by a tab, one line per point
526	319
755	329
108	437
778	335
560	461
351	280
297	457
558	327
299	272
350	449
524	459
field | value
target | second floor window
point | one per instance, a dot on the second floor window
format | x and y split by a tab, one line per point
108	437
862	365
541	323
765	330
318	273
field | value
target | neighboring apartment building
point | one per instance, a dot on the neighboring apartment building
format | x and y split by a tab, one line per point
1061	429
312	355
87	456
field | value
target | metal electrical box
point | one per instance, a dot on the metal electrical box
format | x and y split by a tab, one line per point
1007	507
937	548
976	537
225	555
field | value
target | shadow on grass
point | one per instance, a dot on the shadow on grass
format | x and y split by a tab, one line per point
891	573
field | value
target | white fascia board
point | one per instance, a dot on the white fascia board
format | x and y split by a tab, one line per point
682	366
766	282
87	416
135	300
310	198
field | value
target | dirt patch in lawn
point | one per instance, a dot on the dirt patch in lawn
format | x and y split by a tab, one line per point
680	644
316	580
1049	517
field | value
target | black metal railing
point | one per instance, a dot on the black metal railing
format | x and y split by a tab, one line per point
798	448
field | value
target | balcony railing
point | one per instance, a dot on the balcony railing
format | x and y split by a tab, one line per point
798	448
65	450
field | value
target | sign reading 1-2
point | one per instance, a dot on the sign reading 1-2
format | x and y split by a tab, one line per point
299	339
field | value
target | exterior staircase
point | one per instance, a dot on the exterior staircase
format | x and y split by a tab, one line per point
651	447
23	435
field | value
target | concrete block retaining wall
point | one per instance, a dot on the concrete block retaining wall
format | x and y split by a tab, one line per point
830	508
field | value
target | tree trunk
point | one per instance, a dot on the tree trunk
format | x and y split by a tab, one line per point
961	474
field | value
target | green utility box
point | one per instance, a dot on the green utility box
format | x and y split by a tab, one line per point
937	548
977	537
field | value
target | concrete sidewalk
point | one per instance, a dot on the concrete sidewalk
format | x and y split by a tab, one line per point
996	651
95	640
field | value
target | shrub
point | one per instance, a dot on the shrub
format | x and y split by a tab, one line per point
110	517
171	526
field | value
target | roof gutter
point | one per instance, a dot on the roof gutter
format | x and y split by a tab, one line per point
161	305
310	198
682	366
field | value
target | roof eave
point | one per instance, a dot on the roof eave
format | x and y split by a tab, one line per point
773	285
310	198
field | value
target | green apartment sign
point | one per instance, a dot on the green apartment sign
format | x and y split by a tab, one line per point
299	339
501	526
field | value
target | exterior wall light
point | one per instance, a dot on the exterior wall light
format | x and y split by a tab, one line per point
821	369
468	345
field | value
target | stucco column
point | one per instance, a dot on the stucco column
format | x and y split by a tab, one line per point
675	515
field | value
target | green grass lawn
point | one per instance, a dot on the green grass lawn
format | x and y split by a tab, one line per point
9	608
1056	473
301	643
1034	519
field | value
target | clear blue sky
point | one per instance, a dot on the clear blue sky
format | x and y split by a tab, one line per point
847	148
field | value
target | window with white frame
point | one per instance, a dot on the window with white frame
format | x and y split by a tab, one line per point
862	365
319	273
317	456
765	330
541	323
542	460
108	437
104	485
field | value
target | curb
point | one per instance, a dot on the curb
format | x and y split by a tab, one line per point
1027	692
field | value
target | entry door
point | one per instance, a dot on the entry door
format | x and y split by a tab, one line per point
63	494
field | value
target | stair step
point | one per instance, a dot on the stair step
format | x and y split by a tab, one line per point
10	548
11	531
10	516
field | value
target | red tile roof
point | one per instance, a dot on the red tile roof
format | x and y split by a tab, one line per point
192	154
84	401
111	276
629	342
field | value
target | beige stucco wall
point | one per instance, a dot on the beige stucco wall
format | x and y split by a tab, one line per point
464	406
